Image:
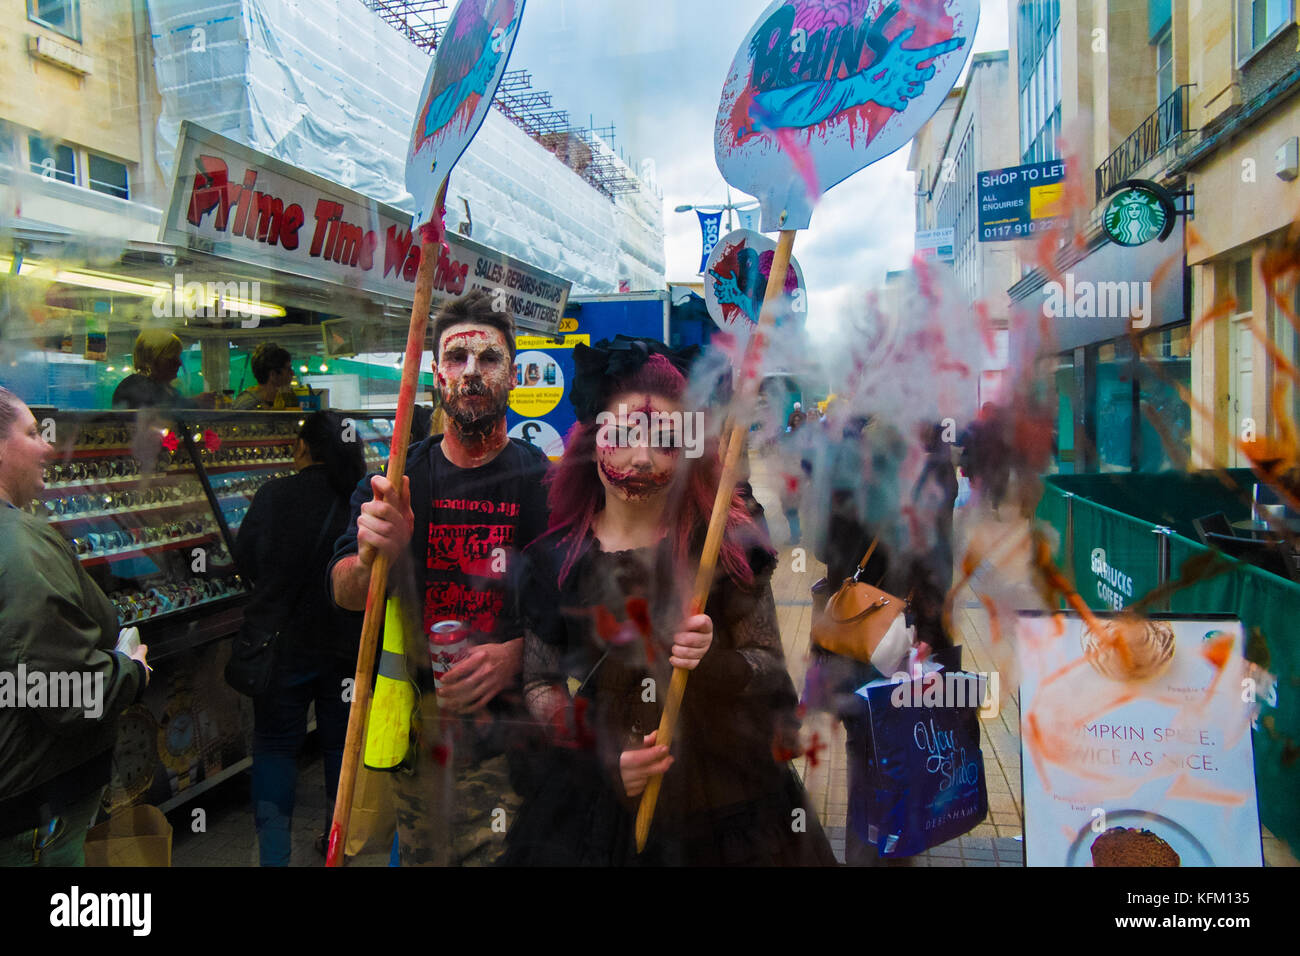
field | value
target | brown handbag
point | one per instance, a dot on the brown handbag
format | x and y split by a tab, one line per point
857	617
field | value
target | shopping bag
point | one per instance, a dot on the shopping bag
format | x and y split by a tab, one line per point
924	782
374	819
136	836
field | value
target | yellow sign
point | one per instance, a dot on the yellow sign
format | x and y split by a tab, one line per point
539	380
543	342
568	324
535	402
1045	201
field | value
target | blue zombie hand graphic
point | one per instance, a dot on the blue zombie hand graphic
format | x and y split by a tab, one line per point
728	292
892	79
745	288
445	105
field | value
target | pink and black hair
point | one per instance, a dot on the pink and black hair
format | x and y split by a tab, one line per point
575	493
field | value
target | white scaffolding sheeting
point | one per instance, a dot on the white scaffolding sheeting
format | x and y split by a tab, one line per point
327	86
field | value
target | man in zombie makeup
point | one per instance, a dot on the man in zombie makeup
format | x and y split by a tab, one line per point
471	500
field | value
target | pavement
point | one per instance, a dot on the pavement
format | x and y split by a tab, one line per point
229	840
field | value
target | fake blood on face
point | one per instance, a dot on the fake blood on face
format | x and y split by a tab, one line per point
641	471
475	376
635	484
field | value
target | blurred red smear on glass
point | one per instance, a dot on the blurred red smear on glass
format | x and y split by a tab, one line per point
607	626
782	752
1033	436
925	280
619	633
986	327
815	746
575	733
211	440
638	612
170	441
1218	651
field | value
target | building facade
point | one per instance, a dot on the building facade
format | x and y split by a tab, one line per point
972	131
92	100
1243	167
1200	99
1103	86
74	119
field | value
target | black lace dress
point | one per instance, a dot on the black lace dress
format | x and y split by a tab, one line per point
598	684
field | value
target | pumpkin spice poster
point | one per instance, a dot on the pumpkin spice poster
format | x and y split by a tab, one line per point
1136	742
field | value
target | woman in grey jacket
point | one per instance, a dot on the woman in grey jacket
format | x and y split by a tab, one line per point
62	684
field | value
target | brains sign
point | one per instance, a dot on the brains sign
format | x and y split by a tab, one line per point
736	278
821	88
458	91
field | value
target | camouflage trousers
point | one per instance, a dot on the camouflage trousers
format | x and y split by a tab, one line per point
451	813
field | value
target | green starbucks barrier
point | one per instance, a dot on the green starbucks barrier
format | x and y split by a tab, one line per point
1115	558
1137	556
1168	499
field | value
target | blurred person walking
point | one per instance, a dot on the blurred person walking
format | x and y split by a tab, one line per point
857	478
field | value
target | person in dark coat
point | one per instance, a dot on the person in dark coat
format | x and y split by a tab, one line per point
864	503
607	606
316	648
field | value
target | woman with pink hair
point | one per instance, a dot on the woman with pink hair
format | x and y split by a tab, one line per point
605	596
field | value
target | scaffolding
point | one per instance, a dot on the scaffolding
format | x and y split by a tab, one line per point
585	150
417	20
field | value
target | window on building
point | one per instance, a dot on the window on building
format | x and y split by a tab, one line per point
1241	286
1040	78
1284	331
1294	323
1258	21
1053	72
108	176
1165	419
1164	65
62	16
1064	380
1112	409
53	161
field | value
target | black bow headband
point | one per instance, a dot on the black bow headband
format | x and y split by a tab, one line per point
602	368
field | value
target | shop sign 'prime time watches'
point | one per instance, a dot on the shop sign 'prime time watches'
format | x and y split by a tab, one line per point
232	201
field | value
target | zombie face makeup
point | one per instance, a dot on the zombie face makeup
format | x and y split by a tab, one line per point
635	464
475	376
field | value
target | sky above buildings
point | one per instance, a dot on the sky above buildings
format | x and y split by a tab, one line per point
655	70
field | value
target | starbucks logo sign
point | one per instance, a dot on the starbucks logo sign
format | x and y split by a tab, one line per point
1138	212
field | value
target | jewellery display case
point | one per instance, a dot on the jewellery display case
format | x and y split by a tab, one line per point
151	502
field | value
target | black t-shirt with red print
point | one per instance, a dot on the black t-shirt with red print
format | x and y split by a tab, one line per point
479	520
470	526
